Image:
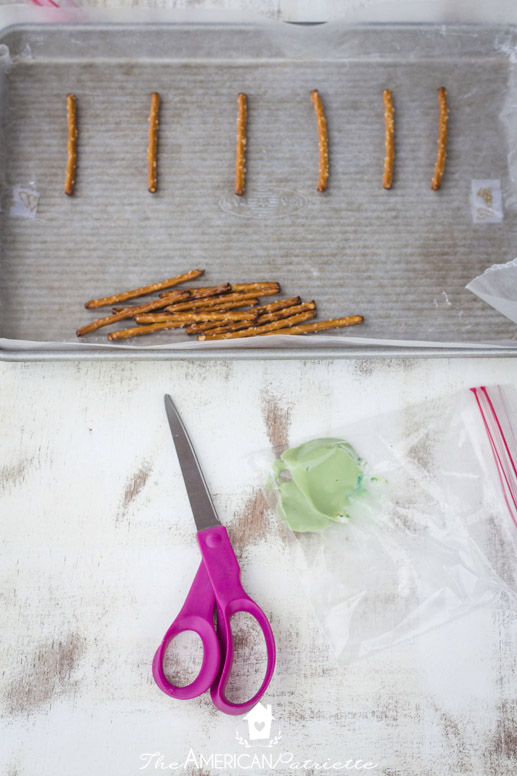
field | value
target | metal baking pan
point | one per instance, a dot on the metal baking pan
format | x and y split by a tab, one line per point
401	258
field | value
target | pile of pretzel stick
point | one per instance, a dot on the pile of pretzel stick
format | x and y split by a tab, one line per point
225	311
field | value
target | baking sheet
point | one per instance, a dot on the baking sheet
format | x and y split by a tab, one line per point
401	258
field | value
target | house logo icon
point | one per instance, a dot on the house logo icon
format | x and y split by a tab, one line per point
260	722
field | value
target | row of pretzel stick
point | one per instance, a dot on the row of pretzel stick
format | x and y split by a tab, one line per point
389	139
71	161
225	311
240	160
240	153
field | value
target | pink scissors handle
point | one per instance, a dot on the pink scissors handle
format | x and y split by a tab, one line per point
224	573
197	614
216	582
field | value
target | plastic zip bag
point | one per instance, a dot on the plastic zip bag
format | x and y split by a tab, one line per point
399	520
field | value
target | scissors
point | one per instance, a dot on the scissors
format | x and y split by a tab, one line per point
216	584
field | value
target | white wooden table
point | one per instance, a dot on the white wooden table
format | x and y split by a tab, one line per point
98	552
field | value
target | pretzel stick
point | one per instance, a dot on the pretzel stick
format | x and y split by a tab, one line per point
198	324
201	293
273	288
165	300
226	301
223	301
389	136
322	140
157	318
127	312
136	331
195	293
139	330
153	142
234	288
116	298
231	305
442	139
256	331
265	308
194	306
216	308
307	328
71	109
197	316
248	304
240	154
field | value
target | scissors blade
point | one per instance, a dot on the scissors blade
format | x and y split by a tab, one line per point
202	507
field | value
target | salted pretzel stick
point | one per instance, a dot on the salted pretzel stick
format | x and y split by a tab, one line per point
224	301
195	306
257	288
231	305
116	298
307	328
136	331
389	138
255	331
240	153
153	142
71	110
236	288
128	312
202	293
247	303
197	316
157	318
442	139
322	140
170	297
196	325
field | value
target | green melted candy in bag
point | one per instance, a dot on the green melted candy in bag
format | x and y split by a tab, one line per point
317	483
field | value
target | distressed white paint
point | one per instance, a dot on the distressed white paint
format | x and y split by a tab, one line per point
76	561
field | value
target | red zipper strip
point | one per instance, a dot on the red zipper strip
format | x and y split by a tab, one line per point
500	449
